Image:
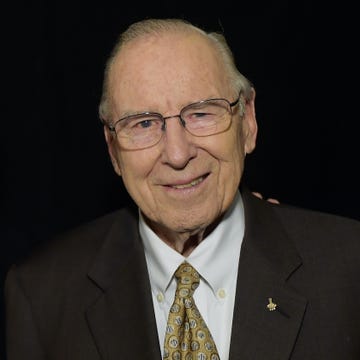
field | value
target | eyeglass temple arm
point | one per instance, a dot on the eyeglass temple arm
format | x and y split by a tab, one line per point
110	127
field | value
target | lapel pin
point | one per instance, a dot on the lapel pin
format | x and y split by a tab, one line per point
271	305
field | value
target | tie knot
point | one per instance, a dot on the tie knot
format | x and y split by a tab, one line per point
187	280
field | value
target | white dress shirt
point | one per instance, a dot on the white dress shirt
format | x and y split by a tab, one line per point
216	259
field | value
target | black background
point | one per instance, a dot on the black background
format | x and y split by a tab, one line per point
55	168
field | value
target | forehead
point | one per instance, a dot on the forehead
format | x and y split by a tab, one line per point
165	67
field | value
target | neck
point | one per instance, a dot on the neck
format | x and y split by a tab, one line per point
184	242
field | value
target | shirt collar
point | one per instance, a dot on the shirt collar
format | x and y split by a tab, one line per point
219	250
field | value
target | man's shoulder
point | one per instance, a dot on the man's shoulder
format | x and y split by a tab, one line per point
311	228
99	226
302	218
80	243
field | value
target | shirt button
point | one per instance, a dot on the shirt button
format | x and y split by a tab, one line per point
221	293
160	297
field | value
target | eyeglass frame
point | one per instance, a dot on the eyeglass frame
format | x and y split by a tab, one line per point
112	128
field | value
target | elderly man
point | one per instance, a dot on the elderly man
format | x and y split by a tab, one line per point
201	269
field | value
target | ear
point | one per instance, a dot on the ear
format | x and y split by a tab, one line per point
112	149
249	124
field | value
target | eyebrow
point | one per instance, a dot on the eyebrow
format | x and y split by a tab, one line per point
148	110
134	113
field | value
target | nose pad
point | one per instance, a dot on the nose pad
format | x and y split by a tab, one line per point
182	121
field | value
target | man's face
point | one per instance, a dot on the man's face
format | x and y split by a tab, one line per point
184	183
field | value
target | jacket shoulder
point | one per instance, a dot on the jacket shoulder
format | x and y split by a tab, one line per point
314	230
78	245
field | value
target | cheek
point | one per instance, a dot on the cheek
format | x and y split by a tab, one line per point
231	148
232	160
135	169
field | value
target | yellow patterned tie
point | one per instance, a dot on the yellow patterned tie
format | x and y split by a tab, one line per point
187	336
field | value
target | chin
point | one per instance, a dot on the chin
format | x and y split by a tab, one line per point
190	223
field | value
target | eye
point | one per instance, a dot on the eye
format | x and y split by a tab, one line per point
199	114
196	115
144	124
202	111
140	123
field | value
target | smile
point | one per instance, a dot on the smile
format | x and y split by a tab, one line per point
189	185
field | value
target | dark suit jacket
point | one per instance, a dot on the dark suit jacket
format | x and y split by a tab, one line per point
86	295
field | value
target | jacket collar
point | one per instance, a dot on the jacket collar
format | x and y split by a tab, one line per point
121	317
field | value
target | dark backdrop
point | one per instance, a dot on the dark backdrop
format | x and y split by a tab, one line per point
55	169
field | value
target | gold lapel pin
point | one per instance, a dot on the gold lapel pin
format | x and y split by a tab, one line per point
271	305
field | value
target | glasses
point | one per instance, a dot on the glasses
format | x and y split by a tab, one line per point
203	118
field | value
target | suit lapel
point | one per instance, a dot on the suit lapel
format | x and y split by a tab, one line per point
121	318
267	261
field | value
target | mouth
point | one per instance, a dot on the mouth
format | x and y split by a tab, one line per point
190	184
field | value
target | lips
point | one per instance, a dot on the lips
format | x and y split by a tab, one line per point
189	184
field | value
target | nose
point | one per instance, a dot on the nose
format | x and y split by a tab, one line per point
178	147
